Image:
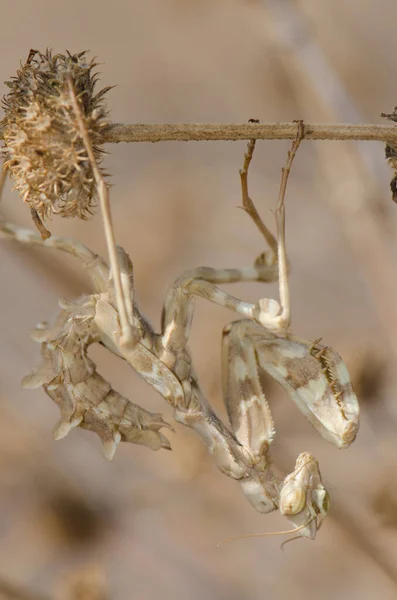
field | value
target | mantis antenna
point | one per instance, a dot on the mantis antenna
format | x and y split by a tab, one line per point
297	537
251	535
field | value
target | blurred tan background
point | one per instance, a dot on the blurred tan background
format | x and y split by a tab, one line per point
146	526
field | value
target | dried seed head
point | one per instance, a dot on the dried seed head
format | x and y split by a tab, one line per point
43	149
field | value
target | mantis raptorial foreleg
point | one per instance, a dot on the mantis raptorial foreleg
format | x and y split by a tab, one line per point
314	376
249	348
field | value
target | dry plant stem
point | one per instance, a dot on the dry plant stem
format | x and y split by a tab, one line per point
45	234
201	132
103	194
247	203
185	132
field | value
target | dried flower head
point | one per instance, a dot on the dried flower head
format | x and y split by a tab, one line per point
44	152
391	155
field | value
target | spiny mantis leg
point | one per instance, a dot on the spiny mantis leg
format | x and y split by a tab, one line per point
230	456
178	305
248	410
97	268
249	415
314	376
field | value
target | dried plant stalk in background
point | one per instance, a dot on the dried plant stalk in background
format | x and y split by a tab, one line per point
43	150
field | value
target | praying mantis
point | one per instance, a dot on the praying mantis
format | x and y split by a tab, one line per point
314	375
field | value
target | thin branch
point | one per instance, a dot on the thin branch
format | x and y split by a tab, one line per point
212	132
184	132
45	234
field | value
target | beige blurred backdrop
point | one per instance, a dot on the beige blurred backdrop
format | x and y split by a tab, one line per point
146	525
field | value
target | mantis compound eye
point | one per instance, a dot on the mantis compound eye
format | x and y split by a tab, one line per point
292	501
322	502
326	503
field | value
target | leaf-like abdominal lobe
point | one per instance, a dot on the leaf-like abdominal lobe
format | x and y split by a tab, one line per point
84	397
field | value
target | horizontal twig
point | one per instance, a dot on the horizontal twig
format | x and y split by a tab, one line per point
212	132
185	132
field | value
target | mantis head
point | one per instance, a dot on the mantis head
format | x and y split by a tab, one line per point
303	498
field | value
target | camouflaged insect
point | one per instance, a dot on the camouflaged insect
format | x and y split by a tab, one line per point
314	376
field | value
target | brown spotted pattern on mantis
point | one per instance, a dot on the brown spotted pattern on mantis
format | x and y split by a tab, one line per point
314	376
